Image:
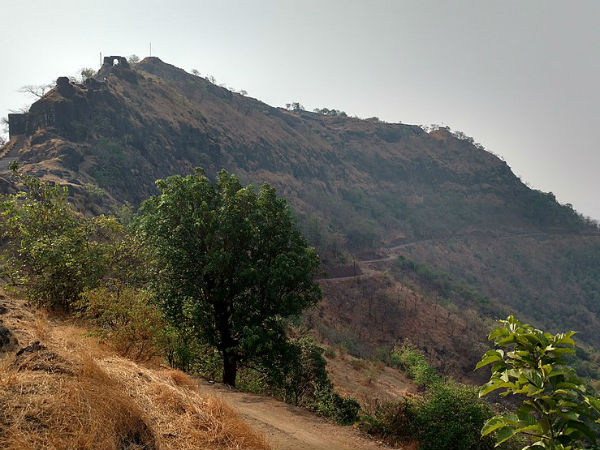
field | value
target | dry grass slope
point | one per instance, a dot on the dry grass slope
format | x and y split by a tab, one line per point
68	391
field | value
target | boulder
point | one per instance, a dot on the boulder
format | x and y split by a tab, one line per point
7	340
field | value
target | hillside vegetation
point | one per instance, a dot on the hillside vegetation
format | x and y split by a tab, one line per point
361	189
64	389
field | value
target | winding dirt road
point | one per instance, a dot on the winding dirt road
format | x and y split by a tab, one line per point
392	252
287	427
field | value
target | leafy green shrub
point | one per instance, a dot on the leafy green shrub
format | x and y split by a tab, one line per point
329	403
126	318
302	379
391	421
450	417
411	359
556	411
180	349
49	250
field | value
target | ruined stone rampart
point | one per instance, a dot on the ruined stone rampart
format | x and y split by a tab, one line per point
110	61
55	111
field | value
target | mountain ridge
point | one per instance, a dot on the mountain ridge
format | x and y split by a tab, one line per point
356	186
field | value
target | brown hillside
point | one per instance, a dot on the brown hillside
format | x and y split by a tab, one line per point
63	389
485	241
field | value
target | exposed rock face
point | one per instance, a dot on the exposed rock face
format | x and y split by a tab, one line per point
61	111
7	341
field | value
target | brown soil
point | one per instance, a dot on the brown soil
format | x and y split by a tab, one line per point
287	427
370	382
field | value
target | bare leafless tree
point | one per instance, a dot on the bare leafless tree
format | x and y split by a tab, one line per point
37	90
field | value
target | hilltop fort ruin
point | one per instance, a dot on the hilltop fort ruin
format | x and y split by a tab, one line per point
59	114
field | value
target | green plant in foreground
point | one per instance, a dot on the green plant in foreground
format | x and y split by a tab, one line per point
556	412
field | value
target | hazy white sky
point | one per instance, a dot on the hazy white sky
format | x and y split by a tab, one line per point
521	77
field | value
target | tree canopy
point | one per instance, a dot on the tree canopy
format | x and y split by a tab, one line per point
48	248
229	264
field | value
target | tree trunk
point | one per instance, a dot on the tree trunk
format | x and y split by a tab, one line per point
229	369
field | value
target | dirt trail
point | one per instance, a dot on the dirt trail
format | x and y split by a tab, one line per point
287	427
392	252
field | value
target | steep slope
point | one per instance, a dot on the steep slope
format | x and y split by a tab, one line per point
64	389
357	186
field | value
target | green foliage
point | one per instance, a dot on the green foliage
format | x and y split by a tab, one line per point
182	350
330	112
228	264
328	403
299	378
51	251
306	383
411	359
440	283
555	412
125	317
304	373
449	416
391	421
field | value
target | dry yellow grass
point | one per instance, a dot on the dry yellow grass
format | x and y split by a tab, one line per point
71	392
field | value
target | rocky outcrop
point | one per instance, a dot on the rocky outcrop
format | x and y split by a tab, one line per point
8	342
64	110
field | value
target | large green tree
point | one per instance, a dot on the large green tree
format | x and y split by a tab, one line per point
230	265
